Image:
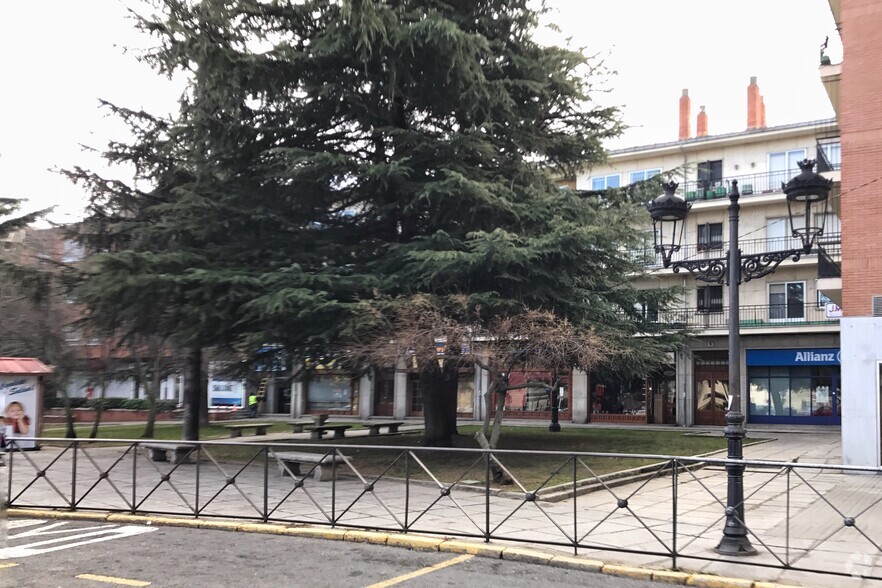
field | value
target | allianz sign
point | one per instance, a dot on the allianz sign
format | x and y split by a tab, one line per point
814	357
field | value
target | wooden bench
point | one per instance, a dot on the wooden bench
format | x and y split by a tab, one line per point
339	431
289	463
236	429
392	426
298	425
159	451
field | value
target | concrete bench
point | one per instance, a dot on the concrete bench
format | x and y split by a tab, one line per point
391	426
159	451
339	431
236	429
297	426
289	463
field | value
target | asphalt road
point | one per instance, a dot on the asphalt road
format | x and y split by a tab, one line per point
83	555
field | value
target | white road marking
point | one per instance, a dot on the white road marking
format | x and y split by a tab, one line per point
67	538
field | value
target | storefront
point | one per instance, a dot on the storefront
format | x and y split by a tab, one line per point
535	401
795	386
332	393
465	394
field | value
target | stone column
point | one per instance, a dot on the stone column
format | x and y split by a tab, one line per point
581	400
399	406
366	396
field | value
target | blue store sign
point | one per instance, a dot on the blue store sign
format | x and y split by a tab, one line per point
780	357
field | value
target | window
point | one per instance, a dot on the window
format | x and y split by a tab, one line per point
710	172
783	166
787	301
832	153
327	392
604	182
710	299
710	236
648	310
779	235
73	252
71	334
639	176
822	300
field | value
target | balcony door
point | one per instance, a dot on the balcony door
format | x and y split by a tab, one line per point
787	302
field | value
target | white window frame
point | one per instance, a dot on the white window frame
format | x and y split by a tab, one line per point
605	179
788	319
646	173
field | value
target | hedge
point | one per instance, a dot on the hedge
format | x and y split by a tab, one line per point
110	403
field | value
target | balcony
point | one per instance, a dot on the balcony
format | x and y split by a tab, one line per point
828	241
750	317
748	185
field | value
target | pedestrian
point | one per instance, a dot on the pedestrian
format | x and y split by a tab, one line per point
252	405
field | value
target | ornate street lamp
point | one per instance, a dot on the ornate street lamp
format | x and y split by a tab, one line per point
806	193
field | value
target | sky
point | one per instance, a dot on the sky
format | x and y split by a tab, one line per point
61	57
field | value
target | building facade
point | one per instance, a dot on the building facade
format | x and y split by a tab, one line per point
789	322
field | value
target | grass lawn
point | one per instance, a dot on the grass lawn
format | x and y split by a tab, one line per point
532	470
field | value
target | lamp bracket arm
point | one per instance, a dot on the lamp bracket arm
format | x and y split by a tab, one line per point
761	264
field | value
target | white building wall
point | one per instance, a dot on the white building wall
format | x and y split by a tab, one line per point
861	348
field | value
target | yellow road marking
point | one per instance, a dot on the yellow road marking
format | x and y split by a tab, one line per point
9	565
112	580
423	571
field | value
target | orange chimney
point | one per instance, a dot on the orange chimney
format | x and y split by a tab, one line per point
685	107
701	126
756	110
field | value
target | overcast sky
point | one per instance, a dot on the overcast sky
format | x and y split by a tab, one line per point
60	56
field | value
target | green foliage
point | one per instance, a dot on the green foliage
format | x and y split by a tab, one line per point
332	158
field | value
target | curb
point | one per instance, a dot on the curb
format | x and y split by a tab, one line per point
414	542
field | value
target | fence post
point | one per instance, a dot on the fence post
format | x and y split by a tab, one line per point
73	478
674	481
265	483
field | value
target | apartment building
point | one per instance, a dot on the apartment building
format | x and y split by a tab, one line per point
854	87
789	322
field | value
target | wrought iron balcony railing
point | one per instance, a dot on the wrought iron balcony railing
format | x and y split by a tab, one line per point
749	185
829	241
752	316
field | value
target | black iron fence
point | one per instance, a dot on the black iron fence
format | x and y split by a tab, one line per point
799	516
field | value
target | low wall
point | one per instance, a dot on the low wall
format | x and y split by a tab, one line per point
124	415
618	418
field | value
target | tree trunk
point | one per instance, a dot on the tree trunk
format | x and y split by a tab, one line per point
438	386
151	390
69	431
203	395
192	394
99	409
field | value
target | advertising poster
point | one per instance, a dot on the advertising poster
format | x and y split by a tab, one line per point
225	392
19	410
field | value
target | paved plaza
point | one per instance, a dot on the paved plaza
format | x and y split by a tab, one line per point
799	515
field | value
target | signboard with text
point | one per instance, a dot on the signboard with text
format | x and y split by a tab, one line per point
783	357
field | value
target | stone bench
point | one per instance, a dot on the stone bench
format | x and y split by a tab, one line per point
289	463
236	429
339	431
159	451
391	426
298	425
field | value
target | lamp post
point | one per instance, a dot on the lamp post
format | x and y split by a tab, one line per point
805	193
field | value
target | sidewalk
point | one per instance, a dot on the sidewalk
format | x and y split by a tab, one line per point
809	519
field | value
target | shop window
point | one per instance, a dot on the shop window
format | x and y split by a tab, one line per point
710	299
794	391
787	301
465	393
416	395
710	236
328	392
614	396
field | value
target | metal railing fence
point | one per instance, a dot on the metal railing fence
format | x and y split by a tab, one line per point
799	516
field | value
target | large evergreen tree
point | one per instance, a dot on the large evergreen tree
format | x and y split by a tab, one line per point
333	159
